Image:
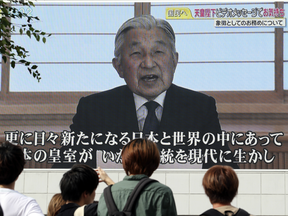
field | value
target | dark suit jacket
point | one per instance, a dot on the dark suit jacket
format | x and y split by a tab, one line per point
114	110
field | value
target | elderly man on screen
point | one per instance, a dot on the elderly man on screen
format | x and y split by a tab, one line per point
150	105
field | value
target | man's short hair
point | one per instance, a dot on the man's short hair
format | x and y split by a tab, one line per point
220	184
79	179
11	162
140	156
144	22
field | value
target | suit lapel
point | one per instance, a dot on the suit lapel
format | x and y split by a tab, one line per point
127	113
168	119
178	114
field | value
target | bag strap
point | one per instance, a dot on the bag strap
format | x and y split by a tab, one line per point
214	212
79	211
211	212
136	193
242	212
110	203
111	206
1	211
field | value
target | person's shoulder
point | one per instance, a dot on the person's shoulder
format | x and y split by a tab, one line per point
126	184
68	209
212	212
180	95
31	205
115	92
160	188
91	209
177	90
15	195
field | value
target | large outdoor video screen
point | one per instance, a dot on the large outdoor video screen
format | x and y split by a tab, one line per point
217	92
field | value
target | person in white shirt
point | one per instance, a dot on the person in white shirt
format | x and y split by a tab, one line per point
12	202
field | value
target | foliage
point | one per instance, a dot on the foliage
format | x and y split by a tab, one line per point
10	11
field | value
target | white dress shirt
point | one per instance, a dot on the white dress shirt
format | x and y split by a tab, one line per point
142	110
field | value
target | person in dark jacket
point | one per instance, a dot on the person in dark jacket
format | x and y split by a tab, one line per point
78	187
221	185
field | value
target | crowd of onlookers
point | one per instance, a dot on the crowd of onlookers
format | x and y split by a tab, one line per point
140	159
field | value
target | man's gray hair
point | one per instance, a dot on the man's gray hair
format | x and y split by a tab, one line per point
145	22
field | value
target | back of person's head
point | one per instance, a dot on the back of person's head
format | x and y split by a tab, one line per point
140	156
144	22
11	162
78	179
55	204
220	184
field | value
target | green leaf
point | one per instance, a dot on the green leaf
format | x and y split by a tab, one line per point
34	67
5	22
28	33
13	64
37	37
12	10
4	11
2	50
